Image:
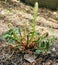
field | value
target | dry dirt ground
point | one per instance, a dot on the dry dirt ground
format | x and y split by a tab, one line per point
18	14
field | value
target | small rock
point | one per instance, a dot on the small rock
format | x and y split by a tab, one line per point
29	58
54	13
53	49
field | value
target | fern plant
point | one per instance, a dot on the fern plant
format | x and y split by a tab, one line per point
21	36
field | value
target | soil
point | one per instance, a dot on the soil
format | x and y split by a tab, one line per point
18	14
12	56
